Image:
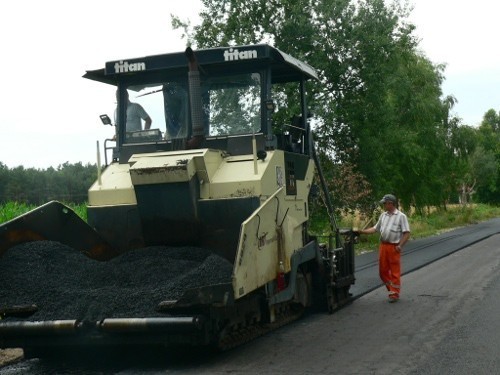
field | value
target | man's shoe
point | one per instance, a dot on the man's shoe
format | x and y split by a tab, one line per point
393	299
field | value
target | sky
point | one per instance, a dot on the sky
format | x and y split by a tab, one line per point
49	114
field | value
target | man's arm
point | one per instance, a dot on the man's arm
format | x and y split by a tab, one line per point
143	115
404	239
368	230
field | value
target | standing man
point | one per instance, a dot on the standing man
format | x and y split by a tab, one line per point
135	113
394	233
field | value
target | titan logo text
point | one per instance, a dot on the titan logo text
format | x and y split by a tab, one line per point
125	67
233	54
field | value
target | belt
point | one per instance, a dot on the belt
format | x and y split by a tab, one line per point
389	243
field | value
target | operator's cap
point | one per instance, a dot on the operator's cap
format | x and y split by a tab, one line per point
389	198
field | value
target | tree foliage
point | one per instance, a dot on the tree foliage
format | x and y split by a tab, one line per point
68	183
378	104
489	140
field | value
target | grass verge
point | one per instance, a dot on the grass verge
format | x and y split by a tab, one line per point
433	222
11	210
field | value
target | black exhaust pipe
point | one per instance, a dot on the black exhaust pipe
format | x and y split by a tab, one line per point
198	130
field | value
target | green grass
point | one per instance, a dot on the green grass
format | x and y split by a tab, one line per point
11	210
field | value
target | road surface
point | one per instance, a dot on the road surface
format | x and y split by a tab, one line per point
445	322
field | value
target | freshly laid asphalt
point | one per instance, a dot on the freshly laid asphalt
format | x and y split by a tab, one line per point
421	252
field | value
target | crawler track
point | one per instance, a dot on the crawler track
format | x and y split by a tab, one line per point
288	312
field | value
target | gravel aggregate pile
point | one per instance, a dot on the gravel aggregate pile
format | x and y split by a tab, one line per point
66	284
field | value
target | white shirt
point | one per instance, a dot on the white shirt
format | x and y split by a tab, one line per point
392	226
135	113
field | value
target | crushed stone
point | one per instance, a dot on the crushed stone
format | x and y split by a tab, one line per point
66	284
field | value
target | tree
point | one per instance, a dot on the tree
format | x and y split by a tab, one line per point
3	180
491	119
69	183
489	141
483	170
377	107
462	143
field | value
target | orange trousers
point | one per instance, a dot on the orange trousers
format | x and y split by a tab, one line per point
389	262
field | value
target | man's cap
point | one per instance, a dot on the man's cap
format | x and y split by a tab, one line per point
389	198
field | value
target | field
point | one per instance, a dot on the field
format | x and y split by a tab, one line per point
10	210
431	223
